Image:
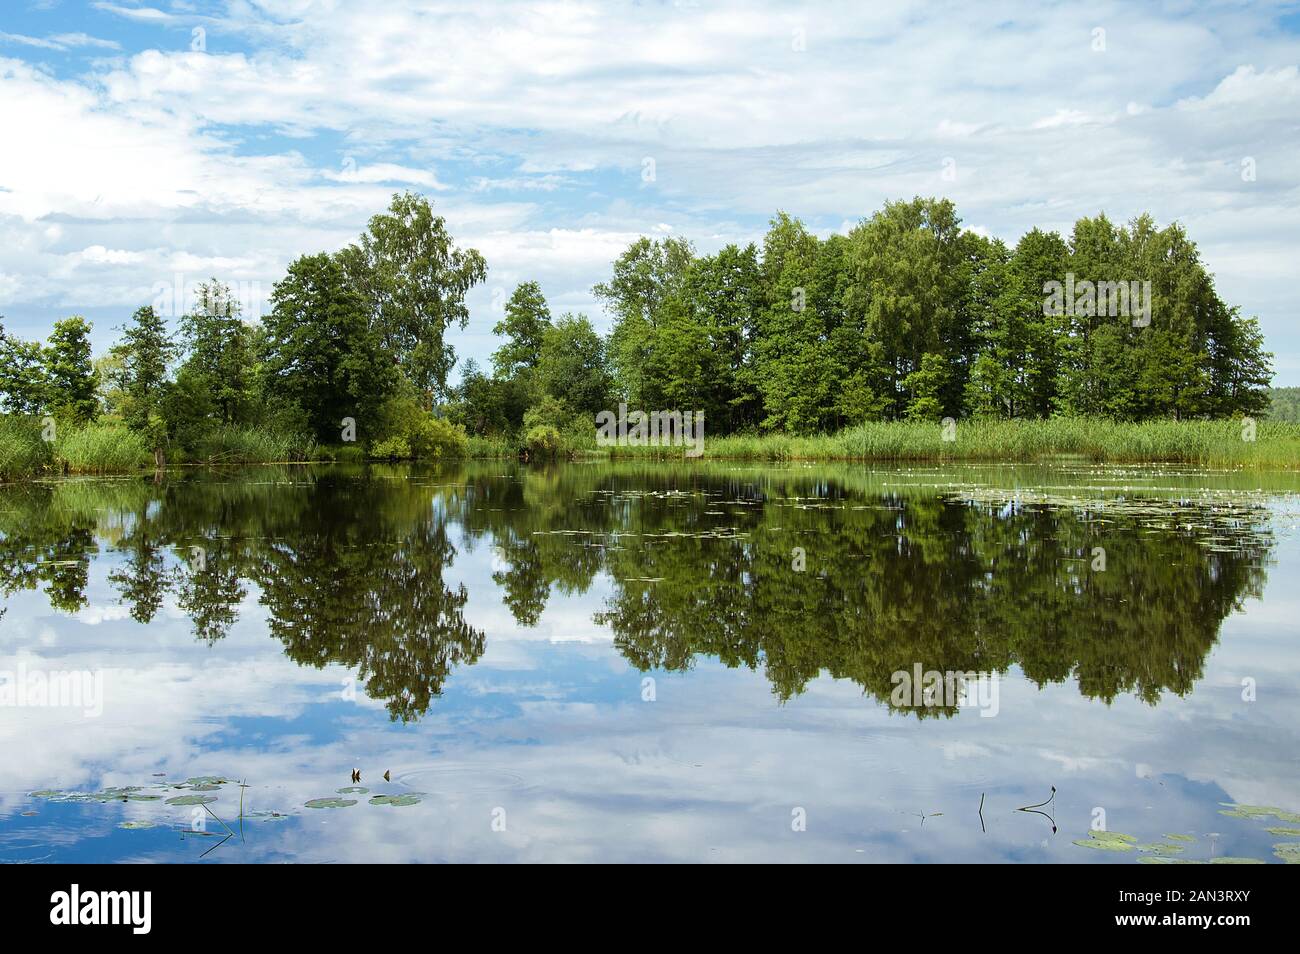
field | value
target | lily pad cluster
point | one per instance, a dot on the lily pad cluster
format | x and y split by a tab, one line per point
401	800
1164	852
191	792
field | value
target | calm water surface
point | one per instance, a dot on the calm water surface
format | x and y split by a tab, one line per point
650	663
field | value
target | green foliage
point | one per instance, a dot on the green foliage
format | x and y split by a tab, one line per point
485	405
571	367
320	352
549	412
220	350
417	433
70	374
413	281
543	442
24	381
646	278
188	409
526	322
909	316
251	445
438	439
23	450
927	385
145	352
1202	443
391	448
1284	405
100	449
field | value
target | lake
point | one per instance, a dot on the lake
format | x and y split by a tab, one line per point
652	662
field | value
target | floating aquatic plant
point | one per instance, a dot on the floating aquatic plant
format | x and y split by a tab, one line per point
330	802
1257	812
1107	841
1160	848
397	801
191	799
1288	851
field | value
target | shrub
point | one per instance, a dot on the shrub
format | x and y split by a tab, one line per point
544	442
424	434
434	438
391	448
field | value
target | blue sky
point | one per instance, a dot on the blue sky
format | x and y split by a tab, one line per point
154	146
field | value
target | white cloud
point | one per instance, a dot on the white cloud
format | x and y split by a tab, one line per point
240	153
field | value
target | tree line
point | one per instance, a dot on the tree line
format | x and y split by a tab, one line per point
907	316
354	346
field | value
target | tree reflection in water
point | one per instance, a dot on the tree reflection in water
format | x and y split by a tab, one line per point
349	566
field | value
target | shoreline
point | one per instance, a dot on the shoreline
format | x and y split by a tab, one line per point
1234	445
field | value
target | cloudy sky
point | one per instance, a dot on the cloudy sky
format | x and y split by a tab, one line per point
147	147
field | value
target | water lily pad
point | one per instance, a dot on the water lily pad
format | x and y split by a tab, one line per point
266	816
191	799
1230	860
1107	841
330	802
397	801
1258	811
353	790
1180	837
1283	831
119	792
1288	851
1160	848
206	780
45	793
135	825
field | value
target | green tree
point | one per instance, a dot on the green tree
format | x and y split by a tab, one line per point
219	348
73	383
908	271
572	366
320	351
147	350
792	370
413	280
725	296
926	385
645	277
526	322
24	384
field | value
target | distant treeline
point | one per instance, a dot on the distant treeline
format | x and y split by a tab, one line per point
908	316
1284	405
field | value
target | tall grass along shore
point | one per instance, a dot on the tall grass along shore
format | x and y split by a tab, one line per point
113	449
1229	443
